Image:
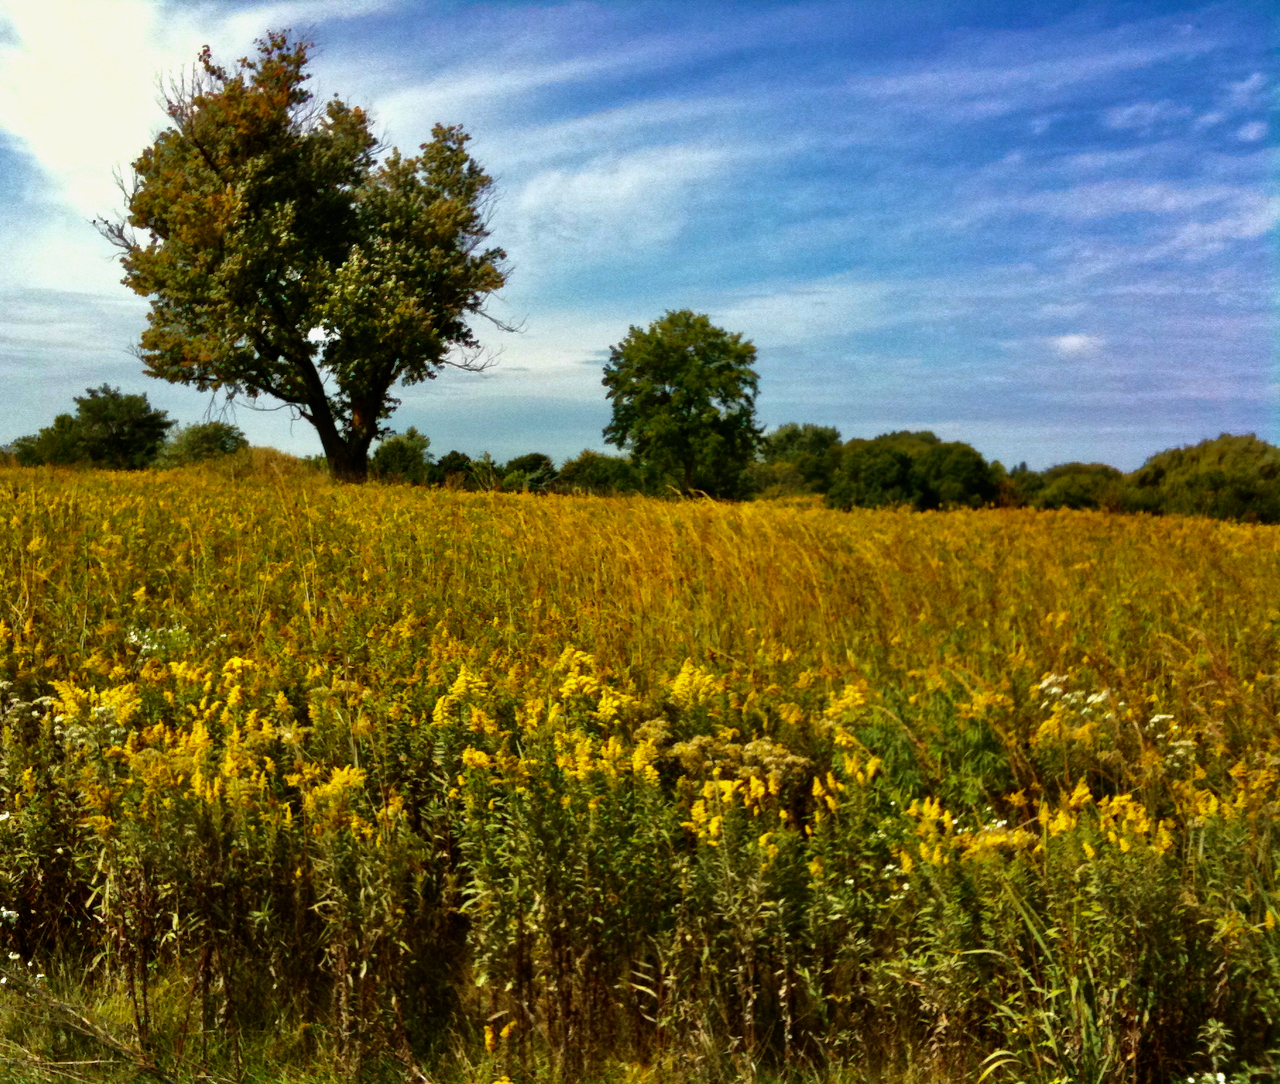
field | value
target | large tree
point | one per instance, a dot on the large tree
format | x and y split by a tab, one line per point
284	260
684	394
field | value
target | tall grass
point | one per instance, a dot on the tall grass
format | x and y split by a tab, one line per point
301	779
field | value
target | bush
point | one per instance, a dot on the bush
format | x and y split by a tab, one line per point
403	457
454	469
533	471
953	475
872	475
1080	485
912	468
197	443
797	459
594	472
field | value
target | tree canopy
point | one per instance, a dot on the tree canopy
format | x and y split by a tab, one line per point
196	443
283	260
1229	477
683	393
109	429
912	468
403	457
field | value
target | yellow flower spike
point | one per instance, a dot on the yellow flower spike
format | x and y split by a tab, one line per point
476	758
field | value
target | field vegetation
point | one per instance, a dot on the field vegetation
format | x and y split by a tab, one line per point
305	782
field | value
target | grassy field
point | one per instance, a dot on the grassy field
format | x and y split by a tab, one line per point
303	782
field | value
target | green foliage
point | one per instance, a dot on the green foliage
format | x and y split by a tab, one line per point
1079	485
454	469
282	260
1230	477
916	469
953	475
595	472
797	459
534	471
403	457
109	429
683	394
872	475
197	443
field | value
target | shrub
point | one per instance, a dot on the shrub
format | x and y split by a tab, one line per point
912	468
1079	485
533	471
403	457
197	443
798	459
594	472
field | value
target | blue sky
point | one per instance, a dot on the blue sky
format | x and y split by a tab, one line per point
1046	229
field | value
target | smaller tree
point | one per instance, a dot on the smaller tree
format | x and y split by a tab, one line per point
954	474
196	443
1080	485
109	429
798	458
873	475
403	457
912	468
534	471
684	393
594	472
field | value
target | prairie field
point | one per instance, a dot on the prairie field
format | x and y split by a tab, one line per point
306	782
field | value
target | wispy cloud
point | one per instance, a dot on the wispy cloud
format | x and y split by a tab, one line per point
1076	345
1062	225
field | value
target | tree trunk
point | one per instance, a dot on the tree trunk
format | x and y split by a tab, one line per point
348	464
348	459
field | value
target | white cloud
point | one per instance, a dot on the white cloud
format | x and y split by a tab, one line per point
1247	91
80	80
784	314
1128	197
1076	345
1144	116
989	85
1251	219
614	205
1252	132
75	114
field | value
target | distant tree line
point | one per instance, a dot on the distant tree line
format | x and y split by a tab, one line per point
1229	477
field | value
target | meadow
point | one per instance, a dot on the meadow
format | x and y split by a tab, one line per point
305	782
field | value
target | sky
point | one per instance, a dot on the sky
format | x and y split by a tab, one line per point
1047	229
